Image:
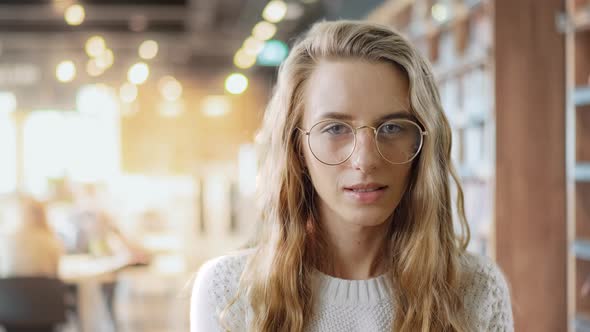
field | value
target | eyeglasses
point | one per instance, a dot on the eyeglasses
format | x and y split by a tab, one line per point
332	142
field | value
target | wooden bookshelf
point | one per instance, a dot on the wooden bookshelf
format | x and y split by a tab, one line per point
577	31
456	37
499	65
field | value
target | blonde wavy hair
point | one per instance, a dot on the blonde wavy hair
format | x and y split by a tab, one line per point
424	250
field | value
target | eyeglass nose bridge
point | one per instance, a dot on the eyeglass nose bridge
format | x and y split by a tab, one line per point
355	132
362	127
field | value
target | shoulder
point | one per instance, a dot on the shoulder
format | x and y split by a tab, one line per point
483	271
222	271
215	287
486	292
220	275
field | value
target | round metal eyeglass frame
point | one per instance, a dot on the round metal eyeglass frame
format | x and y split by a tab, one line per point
375	131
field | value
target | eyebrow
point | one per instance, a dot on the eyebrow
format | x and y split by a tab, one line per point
401	114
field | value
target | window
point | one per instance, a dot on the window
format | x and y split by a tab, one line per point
7	153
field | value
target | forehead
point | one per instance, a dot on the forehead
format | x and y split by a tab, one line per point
360	90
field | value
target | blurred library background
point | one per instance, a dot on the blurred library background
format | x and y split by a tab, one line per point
127	152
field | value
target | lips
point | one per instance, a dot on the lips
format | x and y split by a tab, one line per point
366	190
365	187
366	193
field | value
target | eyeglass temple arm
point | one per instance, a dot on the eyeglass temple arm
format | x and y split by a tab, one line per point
303	131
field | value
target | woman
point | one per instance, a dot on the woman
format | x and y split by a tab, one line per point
357	230
32	249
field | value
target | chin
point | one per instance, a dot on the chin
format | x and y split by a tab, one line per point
366	218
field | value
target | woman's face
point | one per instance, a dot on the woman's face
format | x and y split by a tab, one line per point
365	189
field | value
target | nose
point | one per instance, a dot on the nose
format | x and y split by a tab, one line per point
365	156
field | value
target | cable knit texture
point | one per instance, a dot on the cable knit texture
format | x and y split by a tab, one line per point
345	305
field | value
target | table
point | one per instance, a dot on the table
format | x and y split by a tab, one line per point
87	274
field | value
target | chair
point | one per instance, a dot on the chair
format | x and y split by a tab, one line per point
32	304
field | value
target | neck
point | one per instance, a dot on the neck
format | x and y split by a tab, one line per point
356	252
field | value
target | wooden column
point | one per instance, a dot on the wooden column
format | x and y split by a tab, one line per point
531	243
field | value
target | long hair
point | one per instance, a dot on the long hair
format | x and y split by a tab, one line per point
424	250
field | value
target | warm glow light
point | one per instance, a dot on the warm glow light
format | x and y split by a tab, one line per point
138	73
95	46
74	15
440	12
244	60
170	88
275	11
7	102
236	83
105	60
216	106
65	71
253	46
92	68
128	93
148	49
264	30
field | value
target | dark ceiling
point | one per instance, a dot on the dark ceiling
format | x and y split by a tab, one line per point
100	2
194	36
209	31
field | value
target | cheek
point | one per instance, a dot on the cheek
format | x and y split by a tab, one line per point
320	175
403	175
324	178
314	166
402	180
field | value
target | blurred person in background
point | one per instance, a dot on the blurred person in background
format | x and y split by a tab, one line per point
96	232
31	248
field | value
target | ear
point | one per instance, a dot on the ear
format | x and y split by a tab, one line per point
304	166
301	156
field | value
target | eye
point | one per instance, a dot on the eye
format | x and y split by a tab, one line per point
336	128
391	128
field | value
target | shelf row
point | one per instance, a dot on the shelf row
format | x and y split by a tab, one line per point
581	96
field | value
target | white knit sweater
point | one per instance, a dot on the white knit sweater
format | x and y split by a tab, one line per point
345	305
